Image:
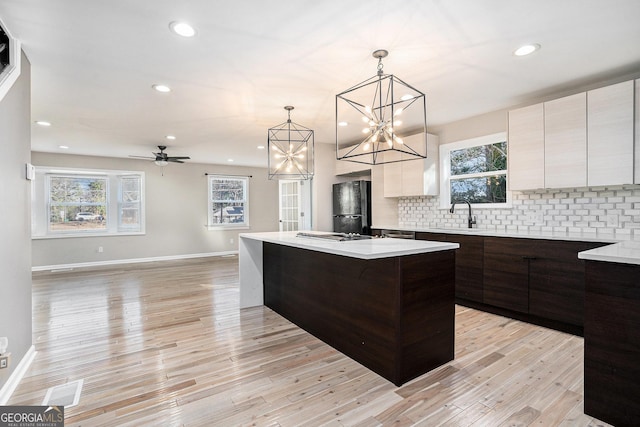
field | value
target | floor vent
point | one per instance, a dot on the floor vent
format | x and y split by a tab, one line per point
66	395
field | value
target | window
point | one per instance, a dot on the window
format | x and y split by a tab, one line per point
228	202
475	170
69	202
129	203
77	203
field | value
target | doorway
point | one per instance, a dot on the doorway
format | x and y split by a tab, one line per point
295	204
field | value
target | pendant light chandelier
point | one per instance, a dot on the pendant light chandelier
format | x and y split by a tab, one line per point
381	120
290	150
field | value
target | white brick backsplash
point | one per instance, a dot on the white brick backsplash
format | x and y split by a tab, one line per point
577	210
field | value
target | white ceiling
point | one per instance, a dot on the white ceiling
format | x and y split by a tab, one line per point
93	64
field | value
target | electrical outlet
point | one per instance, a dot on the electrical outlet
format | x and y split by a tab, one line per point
231	240
100	249
534	217
612	220
4	362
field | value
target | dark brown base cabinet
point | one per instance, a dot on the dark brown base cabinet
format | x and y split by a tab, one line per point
469	262
612	343
557	281
506	272
393	315
539	281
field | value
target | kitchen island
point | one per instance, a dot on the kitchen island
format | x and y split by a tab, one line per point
386	303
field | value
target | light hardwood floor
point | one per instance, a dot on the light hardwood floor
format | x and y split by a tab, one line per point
165	344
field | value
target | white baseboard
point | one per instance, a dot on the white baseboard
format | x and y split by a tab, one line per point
64	267
16	376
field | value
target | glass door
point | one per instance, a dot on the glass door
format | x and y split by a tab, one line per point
295	205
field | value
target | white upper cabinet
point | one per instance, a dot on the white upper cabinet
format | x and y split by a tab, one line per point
580	140
565	142
417	177
526	148
344	167
610	134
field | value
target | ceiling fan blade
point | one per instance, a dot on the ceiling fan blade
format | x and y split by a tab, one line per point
179	157
141	157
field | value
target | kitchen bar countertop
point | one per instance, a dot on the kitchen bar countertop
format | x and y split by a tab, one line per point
624	252
364	249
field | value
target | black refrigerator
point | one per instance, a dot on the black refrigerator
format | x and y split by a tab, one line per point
352	207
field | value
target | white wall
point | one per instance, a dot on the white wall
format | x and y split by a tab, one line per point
176	213
15	211
323	181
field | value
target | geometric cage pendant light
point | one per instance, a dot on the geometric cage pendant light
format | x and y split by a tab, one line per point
381	120
290	150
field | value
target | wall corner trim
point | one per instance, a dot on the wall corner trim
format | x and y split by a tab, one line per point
16	376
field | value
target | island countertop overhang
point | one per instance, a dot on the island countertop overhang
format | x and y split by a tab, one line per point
364	249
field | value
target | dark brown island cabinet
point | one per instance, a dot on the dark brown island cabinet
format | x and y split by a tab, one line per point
394	315
612	343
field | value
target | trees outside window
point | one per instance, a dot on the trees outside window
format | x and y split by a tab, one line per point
475	170
77	202
228	201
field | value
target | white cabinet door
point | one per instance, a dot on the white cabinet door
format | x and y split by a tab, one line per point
413	177
565	142
637	137
610	134
392	179
526	148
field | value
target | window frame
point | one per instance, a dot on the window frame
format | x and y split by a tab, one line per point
445	169
210	202
40	211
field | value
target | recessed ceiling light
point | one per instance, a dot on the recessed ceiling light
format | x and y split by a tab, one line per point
526	49
229	160
64	147
343	124
43	123
406	97
260	147
162	88
182	29
170	137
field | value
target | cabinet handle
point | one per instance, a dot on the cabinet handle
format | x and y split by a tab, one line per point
529	257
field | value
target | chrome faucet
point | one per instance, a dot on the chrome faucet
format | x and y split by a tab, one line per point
471	220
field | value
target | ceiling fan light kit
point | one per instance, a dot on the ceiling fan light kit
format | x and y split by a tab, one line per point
379	114
162	158
290	150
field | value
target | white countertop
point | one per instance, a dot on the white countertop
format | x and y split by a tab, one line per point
523	234
364	249
623	252
623	249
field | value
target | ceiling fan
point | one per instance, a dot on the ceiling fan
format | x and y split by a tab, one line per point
162	159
